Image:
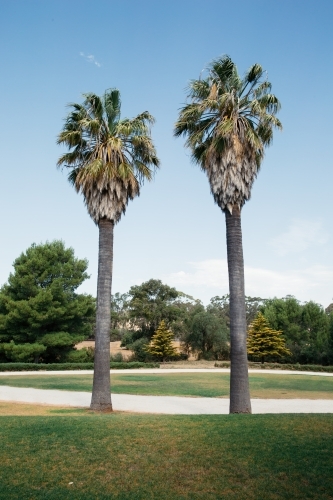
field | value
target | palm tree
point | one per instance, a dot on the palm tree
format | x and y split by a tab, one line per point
109	159
228	122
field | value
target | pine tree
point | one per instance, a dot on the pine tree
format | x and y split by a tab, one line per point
161	343
263	341
42	316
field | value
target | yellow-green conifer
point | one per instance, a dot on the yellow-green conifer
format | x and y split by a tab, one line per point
161	343
263	341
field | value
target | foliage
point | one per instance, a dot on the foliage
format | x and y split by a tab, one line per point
117	357
305	328
281	366
41	315
207	335
139	347
264	342
150	303
221	307
109	157
115	365
228	122
85	355
161	343
119	316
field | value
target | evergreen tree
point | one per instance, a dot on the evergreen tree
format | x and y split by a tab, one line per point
161	343
42	316
263	341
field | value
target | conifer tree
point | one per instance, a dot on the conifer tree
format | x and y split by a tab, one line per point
161	343
263	341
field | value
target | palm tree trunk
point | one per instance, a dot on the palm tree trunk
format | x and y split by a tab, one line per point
101	394
239	378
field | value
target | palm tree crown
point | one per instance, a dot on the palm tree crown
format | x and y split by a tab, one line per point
228	123
109	158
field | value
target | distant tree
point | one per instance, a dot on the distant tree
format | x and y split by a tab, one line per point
329	309
41	315
221	307
315	324
264	342
330	336
161	343
150	303
119	315
207	335
305	328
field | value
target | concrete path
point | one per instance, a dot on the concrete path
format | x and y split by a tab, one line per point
163	404
166	370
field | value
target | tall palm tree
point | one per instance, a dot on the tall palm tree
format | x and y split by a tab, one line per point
228	122
109	159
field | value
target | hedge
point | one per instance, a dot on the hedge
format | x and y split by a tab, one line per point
23	367
281	366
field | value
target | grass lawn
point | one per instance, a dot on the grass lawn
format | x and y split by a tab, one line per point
79	455
186	384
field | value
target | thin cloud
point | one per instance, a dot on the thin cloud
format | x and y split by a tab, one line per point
210	277
300	235
90	58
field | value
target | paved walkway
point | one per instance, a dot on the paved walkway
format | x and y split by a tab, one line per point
163	404
167	370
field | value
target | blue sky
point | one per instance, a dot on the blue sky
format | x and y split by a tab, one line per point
53	51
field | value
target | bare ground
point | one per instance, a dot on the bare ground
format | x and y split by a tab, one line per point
126	353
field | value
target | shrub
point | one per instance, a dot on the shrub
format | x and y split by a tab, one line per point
20	367
118	358
281	366
139	349
85	355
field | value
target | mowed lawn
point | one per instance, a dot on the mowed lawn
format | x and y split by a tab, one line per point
186	384
75	454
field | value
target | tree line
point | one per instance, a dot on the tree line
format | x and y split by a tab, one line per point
42	317
307	328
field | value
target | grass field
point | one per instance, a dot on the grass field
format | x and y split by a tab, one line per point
186	384
77	455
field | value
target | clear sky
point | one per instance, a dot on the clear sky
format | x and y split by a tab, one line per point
54	50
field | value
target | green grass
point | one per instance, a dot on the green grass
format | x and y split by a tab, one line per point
186	384
135	457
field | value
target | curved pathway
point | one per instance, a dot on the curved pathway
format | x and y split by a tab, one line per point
168	370
163	404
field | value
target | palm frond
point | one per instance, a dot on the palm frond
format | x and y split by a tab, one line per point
94	106
270	103
223	69
108	157
227	124
199	89
112	105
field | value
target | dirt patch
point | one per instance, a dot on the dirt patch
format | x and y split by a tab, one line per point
126	353
114	348
290	394
190	363
24	409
